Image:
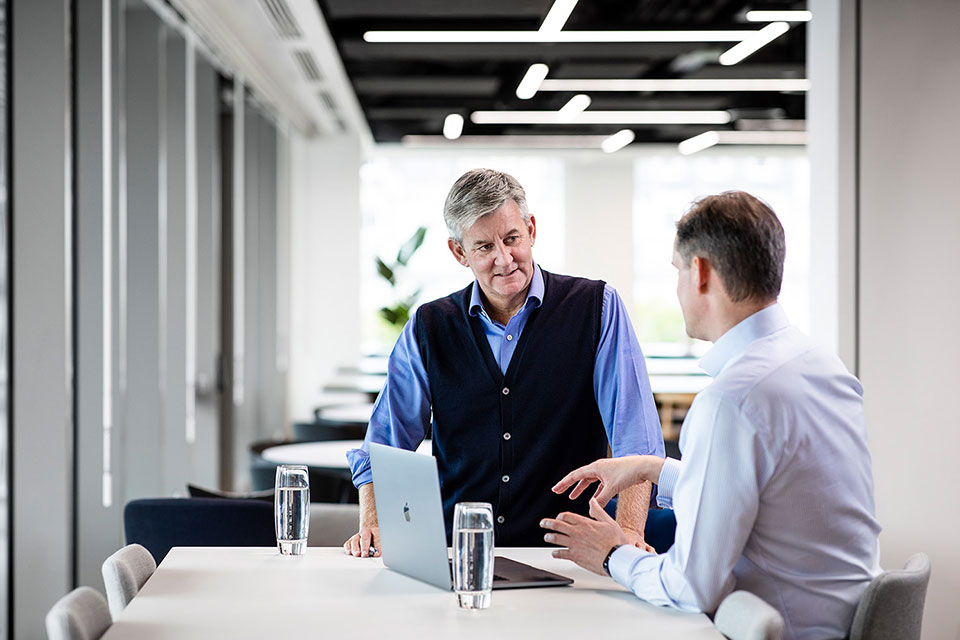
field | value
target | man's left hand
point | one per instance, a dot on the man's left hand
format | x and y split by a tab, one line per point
587	541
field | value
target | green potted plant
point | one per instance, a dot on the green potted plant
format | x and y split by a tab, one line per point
397	314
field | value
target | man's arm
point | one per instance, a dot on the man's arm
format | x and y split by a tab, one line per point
399	419
622	389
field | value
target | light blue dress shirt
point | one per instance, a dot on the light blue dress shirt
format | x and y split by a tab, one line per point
775	492
620	382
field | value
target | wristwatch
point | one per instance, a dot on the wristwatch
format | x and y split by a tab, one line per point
606	561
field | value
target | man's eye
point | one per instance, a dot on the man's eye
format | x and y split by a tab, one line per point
485	247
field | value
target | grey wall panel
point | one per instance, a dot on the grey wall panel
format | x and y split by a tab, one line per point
204	454
41	209
270	410
99	525
143	433
174	260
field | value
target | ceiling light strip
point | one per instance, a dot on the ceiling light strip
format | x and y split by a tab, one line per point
602	117
719	85
732	35
531	81
779	16
618	141
574	107
557	16
509	141
751	45
453	126
710	138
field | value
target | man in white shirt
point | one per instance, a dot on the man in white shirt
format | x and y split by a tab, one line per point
775	491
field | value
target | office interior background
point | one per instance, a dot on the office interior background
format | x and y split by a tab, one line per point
193	194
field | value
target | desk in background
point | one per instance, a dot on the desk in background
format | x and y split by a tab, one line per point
224	592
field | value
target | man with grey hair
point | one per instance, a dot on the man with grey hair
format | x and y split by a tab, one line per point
525	373
775	492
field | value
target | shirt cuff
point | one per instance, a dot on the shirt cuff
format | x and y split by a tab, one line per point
359	461
667	481
622	562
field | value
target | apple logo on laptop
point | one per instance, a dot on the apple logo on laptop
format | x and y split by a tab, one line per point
406	511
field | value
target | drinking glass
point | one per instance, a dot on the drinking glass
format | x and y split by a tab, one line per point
473	554
291	508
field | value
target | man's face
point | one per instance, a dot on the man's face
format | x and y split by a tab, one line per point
498	249
687	294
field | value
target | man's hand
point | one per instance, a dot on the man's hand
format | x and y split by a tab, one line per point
613	474
366	542
587	540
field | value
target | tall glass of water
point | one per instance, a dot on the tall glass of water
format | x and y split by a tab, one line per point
291	508
473	554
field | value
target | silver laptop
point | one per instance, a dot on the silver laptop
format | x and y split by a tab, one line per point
412	531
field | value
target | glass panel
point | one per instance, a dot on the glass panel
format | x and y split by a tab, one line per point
4	331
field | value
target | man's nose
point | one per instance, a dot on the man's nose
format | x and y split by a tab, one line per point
503	256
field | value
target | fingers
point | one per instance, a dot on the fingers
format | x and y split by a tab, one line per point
365	539
375	549
581	487
583	474
597	512
365	544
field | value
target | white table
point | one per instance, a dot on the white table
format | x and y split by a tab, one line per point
223	592
331	454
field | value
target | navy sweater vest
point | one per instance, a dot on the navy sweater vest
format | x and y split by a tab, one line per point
507	439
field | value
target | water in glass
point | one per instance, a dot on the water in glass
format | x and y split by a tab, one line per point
292	509
473	554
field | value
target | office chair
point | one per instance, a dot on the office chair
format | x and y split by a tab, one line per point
124	573
892	606
744	616
82	614
161	523
332	524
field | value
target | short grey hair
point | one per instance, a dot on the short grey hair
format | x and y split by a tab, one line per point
477	193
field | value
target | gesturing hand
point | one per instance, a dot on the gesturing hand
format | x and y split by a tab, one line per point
587	540
613	474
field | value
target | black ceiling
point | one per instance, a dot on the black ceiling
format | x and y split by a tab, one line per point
410	88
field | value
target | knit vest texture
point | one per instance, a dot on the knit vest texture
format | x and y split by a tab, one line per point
508	438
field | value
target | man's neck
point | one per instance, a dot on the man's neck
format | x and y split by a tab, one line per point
735	313
502	309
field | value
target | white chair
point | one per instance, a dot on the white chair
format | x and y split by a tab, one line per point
331	524
124	573
82	614
892	606
744	616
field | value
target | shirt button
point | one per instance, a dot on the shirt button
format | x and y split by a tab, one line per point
500	519
505	478
506	391
509	337
507	436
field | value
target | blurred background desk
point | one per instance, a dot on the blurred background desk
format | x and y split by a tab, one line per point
251	592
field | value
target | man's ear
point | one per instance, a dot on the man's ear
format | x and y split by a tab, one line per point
702	270
457	250
532	230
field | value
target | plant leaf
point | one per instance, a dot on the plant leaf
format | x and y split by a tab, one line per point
388	314
386	272
410	246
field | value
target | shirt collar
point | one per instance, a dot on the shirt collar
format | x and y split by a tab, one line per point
534	294
734	342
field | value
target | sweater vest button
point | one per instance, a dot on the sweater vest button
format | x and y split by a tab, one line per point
500	519
507	436
505	478
506	391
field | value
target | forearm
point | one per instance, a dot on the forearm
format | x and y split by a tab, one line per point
632	506
368	506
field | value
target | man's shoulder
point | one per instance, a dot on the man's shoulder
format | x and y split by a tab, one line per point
452	303
564	286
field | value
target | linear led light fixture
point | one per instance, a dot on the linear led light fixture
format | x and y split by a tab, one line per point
453	126
511	142
779	16
459	37
557	16
530	83
711	138
618	141
602	117
757	41
574	107
680	84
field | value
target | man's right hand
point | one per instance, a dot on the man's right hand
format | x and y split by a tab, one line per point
363	544
613	474
366	542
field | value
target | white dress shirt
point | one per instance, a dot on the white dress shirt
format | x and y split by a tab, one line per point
775	491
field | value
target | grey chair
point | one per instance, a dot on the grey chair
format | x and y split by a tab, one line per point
124	573
82	614
744	616
331	524
892	605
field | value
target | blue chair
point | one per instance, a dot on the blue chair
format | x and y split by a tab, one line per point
161	523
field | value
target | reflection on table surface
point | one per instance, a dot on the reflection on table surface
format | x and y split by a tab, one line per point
230	592
327	455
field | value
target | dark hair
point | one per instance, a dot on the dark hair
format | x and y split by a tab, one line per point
743	240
